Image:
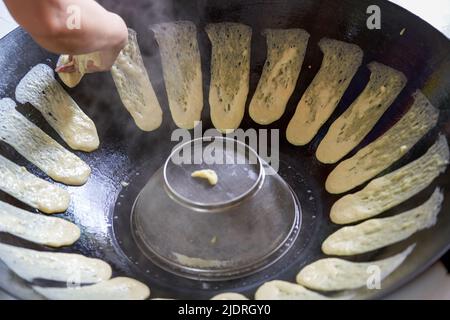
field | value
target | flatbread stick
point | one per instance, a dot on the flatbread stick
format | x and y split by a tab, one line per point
358	120
40	88
285	54
40	229
66	267
230	73
134	86
39	148
387	149
229	296
282	290
332	274
182	70
340	62
115	289
392	189
378	233
35	192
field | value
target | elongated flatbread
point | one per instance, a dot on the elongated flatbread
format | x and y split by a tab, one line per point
35	192
383	152
66	267
285	53
340	62
49	231
230	73
115	289
282	290
182	70
392	189
40	88
39	148
134	86
333	274
358	120
378	233
229	296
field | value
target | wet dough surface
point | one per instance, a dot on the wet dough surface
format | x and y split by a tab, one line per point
392	189
39	148
40	88
49	231
182	70
35	192
134	86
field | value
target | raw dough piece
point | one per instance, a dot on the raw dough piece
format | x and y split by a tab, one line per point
182	70
207	174
39	148
378	233
72	79
333	274
392	189
49	231
285	53
383	152
134	86
40	88
229	296
66	267
340	62
230	73
37	193
282	290
358	120
115	289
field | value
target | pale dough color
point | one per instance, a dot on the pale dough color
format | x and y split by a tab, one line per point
134	86
340	62
334	274
282	290
66	267
230	73
392	189
39	148
115	289
26	187
182	71
207	174
378	233
390	147
357	120
285	53
49	231
229	296
40	88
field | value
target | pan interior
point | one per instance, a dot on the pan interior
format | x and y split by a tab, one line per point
241	225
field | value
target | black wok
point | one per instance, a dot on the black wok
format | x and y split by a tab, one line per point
102	207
